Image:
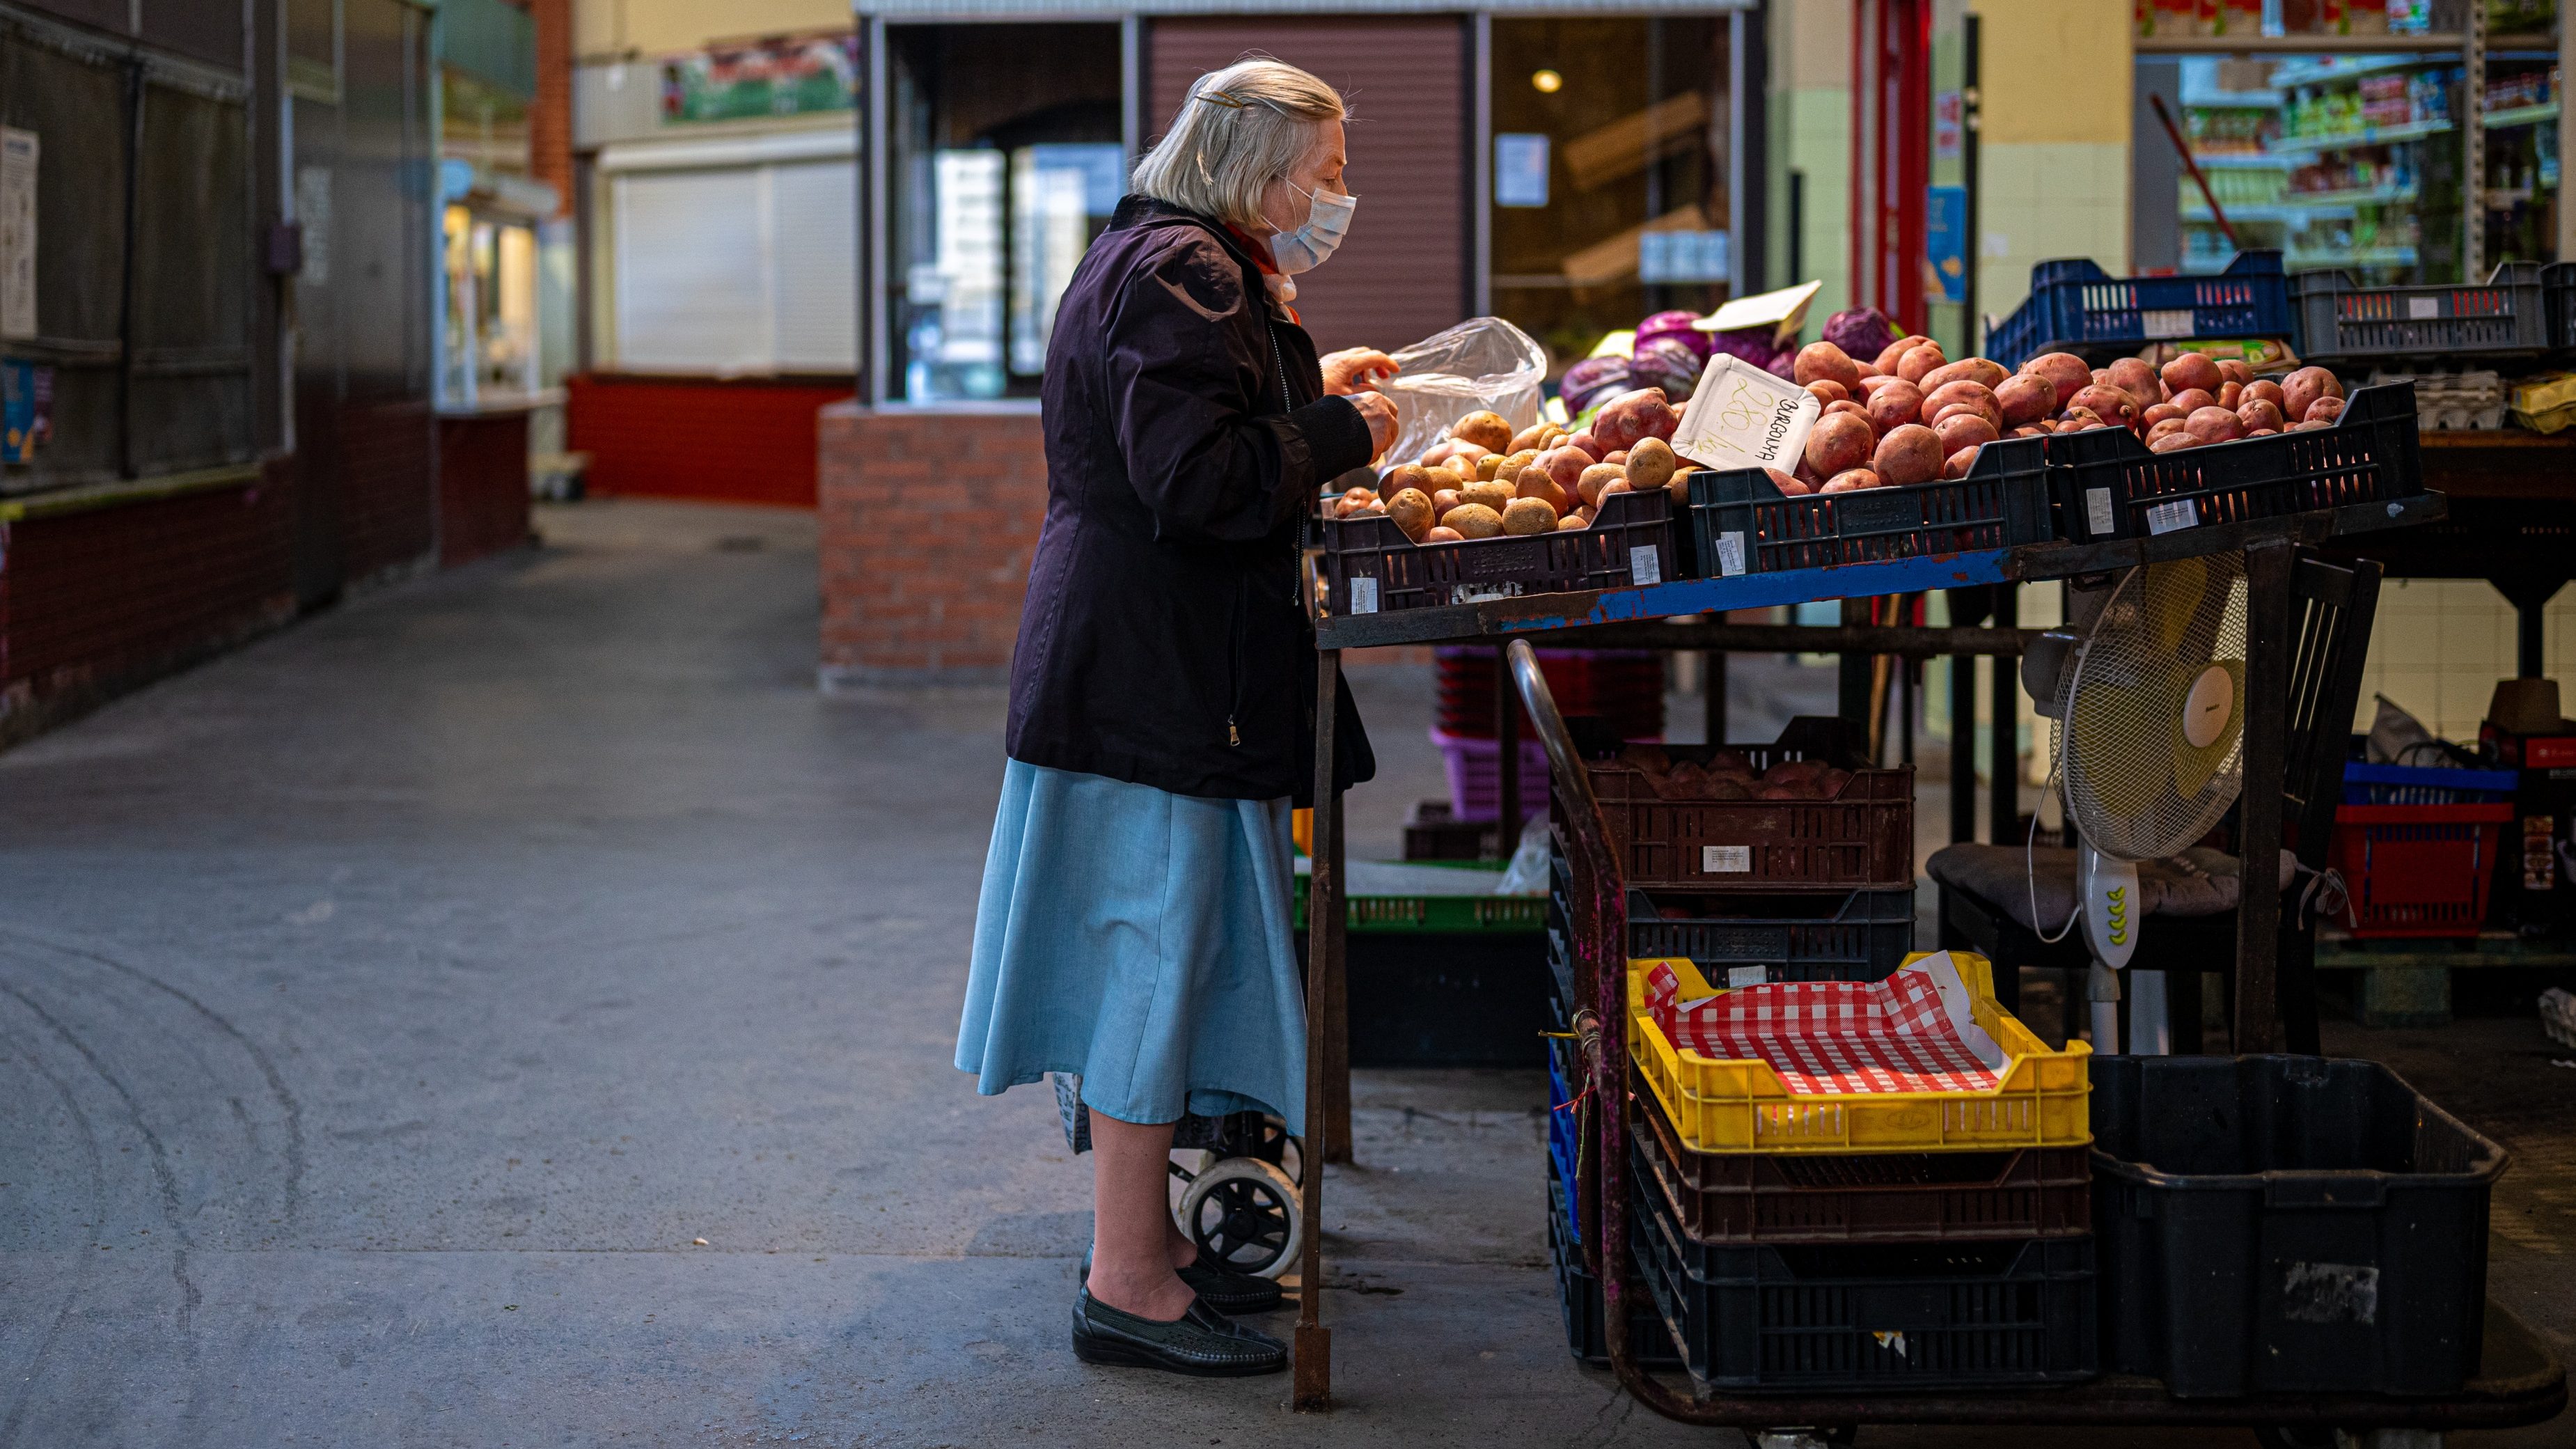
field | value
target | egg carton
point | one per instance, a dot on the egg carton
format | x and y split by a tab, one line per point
2558	1016
2466	401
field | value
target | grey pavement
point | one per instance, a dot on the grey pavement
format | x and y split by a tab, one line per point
389	1009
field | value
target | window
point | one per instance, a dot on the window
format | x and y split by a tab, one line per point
740	268
1004	159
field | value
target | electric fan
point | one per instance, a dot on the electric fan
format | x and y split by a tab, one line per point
2149	705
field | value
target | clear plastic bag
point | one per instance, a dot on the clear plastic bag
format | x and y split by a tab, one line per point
1483	364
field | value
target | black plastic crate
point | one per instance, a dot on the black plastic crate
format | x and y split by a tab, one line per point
1742	523
1373	568
2343	321
1863	937
2281	1224
1871	1317
2558	295
2109	485
1578	1296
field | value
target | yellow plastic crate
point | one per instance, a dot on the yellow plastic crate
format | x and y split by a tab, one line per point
1741	1106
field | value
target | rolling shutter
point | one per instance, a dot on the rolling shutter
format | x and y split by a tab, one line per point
1403	272
736	268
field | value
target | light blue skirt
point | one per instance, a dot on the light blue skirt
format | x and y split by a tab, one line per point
1140	940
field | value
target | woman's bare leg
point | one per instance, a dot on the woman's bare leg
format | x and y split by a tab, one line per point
1132	1235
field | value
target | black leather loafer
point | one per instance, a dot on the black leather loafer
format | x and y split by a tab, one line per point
1201	1342
1220	1287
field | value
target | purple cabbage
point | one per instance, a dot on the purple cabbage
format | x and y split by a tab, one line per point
1862	333
1594	379
1668	363
1784	363
1678	326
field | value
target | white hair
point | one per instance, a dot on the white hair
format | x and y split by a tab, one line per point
1239	129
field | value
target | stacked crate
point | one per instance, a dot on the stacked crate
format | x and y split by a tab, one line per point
1622	687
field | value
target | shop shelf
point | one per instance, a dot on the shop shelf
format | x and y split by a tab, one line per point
1743	523
2418	870
1747	1197
2368	784
1373	568
1579	1296
1743	1106
2283	1224
2109	486
2074	304
2340	321
1871	1316
1861	838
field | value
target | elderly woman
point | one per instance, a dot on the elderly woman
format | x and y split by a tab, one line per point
1134	927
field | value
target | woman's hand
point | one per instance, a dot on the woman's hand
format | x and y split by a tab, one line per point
1356	368
1379	410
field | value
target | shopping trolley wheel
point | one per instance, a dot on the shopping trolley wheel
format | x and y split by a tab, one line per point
1244	1213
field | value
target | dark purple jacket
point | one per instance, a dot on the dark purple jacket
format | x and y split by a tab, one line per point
1186	429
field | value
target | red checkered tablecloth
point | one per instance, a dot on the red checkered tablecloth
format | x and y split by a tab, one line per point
1829	1036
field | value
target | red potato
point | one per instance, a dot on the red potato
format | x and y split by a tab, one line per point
2324	410
2213	424
1870	385
1615	455
1888	355
2235	371
1588	443
2025	398
1852	480
1982	371
1625	419
2162	428
1919	363
2062	370
2192	400
2029	430
2264	433
1443	501
1934	417
1895	405
1849	408
1869	371
2311	426
2174	443
1959	464
1444	534
1806	472
2268	391
1825	390
2193	370
2304	387
1824	362
2259	416
2107	403
1909	454
1837	444
2162	412
1783	481
2137	379
1963	430
1562	465
1975	394
2230	395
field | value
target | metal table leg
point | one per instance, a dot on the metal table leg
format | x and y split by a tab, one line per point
2267	688
1325	921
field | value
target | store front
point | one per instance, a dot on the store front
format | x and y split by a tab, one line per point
1570	172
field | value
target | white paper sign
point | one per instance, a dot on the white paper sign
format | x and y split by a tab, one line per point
1739	977
1725	859
1645	566
18	151
1743	417
1363	596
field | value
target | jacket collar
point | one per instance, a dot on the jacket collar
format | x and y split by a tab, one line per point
1140	212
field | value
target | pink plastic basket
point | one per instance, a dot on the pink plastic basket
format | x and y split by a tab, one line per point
1476	776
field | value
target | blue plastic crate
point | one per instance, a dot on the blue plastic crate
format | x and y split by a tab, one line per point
2366	784
2074	304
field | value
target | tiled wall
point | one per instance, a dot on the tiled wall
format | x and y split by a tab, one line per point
2440	645
2043	200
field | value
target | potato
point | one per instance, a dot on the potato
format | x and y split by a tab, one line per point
1963	390
1858	410
2029	430
1615	455
1444	500
1490	466
1839	441
1653	464
1536	483
1473	520
1634	415
1588	487
2324	410
1591	446
1529	515
2259	416
2106	403
2268	391
2192	370
1908	454
2213	424
1895	405
2230	394
1487	430
1564	465
1827	390
2138	380
1411	509
2163	412
1920	362
1444	534
1782	480
1573	520
2174	442
2064	371
1982	371
1824	362
2193	400
2163	427
1408	475
2304	387
2235	371
1452	450
2312	426
1852	480
1963	430
1895	351
1527	438
2264	433
2024	399
1489	496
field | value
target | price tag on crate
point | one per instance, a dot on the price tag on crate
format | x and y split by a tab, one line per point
1743	417
1726	859
1363	596
2172	517
1645	566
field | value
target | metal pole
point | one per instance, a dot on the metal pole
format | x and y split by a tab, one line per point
1507	758
1313	1389
2003	749
2473	148
1852	696
1712	688
1968	122
2267	690
1967	606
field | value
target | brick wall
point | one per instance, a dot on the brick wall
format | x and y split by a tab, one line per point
388	500
747	440
482	486
927	523
550	113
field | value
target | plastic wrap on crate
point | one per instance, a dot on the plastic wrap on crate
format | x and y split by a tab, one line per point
2341	321
1861	838
1745	1197
2286	1224
2417	870
1372	568
2369	784
2074	304
1721	1104
1867	1317
1867	935
2108	485
1744	524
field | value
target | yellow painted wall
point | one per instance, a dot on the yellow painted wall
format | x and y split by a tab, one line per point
2055	100
1811	65
606	28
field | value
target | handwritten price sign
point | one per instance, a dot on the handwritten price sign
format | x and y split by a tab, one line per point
1743	417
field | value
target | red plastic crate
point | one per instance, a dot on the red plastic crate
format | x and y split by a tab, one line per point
1623	686
2418	870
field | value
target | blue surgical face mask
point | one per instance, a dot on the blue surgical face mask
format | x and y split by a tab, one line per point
1328	220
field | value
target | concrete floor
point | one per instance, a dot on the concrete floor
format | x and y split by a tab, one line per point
387	1010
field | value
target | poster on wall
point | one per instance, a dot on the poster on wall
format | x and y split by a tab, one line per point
1945	244
26	409
793	76
18	152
